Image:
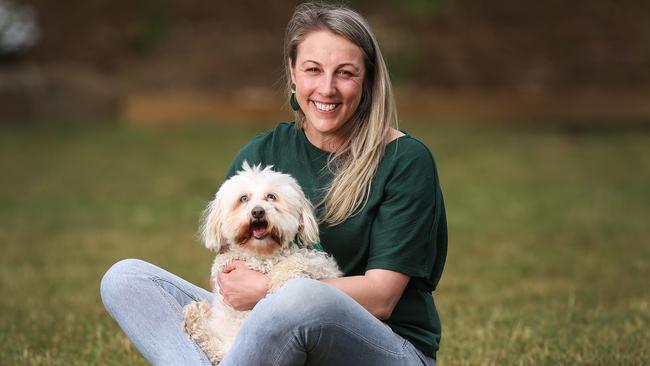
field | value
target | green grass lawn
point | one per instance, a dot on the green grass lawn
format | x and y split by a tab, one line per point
548	264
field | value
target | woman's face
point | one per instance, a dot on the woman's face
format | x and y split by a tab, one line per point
328	74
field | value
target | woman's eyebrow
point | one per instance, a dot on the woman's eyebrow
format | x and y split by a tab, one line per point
339	66
312	61
351	65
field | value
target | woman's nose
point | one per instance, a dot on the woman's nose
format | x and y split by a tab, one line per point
327	86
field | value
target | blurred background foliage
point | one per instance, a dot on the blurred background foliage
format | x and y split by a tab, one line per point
153	25
512	60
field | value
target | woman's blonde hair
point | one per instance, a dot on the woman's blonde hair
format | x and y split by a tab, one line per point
354	164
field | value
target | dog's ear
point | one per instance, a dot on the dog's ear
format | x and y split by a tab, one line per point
211	227
308	230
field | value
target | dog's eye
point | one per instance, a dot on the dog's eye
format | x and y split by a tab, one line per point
271	197
243	199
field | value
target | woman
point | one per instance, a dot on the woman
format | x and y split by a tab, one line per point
377	193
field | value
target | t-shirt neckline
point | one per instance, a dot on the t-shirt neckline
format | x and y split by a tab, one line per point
313	147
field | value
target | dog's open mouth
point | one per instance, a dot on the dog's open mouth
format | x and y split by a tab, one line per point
259	229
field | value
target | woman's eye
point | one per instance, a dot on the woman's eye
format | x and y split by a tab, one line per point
271	197
345	73
312	69
243	199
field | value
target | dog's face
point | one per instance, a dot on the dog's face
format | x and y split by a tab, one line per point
259	210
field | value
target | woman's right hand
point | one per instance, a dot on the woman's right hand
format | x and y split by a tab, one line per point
241	287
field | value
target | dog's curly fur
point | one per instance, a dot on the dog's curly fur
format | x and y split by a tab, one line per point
263	218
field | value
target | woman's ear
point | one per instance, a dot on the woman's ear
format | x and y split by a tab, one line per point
211	227
308	230
292	71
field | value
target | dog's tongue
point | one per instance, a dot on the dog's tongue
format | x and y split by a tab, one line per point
259	232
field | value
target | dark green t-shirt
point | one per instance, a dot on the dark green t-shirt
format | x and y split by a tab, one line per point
401	228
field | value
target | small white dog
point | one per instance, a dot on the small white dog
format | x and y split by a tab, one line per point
261	217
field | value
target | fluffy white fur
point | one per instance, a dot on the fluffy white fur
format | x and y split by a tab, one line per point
262	217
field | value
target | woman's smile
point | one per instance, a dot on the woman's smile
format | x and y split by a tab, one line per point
325	107
328	72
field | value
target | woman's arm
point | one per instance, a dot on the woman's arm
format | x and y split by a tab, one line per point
378	290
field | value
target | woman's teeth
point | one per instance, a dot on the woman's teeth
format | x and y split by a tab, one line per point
325	107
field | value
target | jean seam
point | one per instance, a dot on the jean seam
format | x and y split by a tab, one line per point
368	341
291	340
165	296
361	337
283	350
159	279
410	348
320	334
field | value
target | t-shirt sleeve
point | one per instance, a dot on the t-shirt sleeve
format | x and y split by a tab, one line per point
250	153
402	234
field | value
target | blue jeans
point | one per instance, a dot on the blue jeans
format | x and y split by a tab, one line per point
306	322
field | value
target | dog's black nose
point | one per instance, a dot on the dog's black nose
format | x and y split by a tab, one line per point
258	212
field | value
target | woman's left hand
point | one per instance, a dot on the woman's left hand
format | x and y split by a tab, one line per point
242	287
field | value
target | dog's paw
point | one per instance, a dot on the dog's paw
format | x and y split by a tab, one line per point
195	314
